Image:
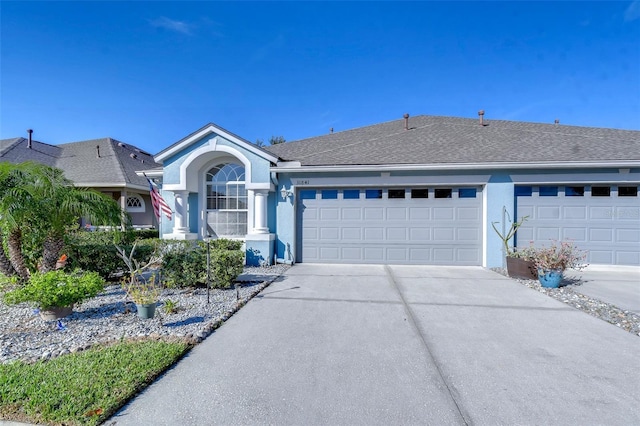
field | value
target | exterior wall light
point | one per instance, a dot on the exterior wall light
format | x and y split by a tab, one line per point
284	193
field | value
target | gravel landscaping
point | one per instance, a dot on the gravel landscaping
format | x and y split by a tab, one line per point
569	293
112	316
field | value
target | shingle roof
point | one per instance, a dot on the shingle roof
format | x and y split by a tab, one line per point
449	140
115	166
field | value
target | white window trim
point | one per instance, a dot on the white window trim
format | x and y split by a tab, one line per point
132	209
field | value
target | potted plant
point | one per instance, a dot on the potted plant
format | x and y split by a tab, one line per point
142	290
519	261
145	294
55	292
552	261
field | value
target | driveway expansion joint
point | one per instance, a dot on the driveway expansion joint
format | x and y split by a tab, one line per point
453	394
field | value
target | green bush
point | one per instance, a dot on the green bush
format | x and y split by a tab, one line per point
57	289
184	264
226	266
95	251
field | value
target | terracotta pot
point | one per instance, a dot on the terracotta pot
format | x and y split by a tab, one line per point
520	268
56	312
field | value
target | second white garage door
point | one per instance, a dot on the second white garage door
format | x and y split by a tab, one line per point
436	226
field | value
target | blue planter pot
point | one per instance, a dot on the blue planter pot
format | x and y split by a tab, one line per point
550	279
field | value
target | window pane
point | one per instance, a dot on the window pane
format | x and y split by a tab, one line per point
627	191
443	192
329	194
467	193
600	191
548	191
373	193
396	193
524	191
308	194
420	193
351	194
574	191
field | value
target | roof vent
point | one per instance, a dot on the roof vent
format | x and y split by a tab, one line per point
98	150
406	121
132	155
29	142
556	121
121	145
331	130
481	115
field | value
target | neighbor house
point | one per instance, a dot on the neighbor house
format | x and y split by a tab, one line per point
106	165
418	190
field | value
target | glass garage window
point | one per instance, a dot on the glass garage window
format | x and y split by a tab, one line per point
574	191
467	193
351	194
600	191
443	192
627	191
548	191
524	191
329	194
308	194
396	193
373	193
420	193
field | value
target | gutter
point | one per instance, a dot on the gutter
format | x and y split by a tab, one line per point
286	167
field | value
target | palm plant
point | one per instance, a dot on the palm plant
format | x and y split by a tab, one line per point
40	199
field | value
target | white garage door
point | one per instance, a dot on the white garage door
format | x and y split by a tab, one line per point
390	225
602	219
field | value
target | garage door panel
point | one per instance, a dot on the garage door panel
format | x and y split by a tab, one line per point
352	234
399	234
351	213
601	256
443	213
549	233
627	258
373	213
468	213
374	234
601	213
420	234
577	235
543	213
397	213
574	212
599	235
419	213
390	230
627	235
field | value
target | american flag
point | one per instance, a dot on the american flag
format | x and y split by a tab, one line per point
159	204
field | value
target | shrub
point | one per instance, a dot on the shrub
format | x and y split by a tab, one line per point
184	264
560	255
95	251
57	289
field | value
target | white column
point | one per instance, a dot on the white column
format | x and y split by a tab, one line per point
181	223
260	211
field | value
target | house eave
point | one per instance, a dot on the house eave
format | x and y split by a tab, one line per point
205	131
459	166
110	185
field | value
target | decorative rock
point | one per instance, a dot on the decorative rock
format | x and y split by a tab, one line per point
111	317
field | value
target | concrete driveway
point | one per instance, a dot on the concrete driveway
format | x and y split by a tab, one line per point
618	285
345	344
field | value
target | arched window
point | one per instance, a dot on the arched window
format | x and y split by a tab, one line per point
226	201
135	204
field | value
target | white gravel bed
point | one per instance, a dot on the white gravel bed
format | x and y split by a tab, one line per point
569	293
112	316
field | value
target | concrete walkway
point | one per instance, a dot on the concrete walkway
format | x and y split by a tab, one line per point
345	345
618	285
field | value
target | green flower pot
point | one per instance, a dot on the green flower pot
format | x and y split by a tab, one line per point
147	310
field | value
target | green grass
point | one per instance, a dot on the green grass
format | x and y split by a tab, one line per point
83	388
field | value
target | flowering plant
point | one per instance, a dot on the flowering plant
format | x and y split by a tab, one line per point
524	253
560	255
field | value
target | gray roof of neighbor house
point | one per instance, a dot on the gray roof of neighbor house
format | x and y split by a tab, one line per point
102	162
450	140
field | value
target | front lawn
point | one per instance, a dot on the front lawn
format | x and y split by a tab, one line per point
83	388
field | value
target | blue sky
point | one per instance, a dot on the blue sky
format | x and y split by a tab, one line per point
151	73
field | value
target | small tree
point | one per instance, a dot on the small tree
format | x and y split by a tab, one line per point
275	140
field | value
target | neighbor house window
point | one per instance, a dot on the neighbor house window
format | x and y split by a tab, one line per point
135	204
226	201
